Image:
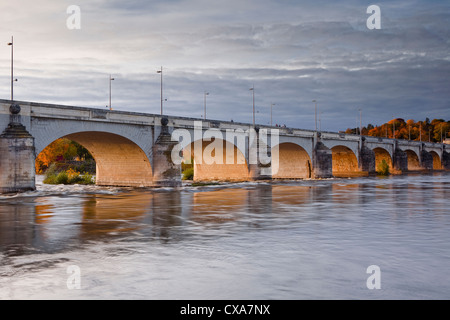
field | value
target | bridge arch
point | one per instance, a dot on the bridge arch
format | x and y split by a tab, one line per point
216	160
290	161
120	161
413	160
437	164
380	155
344	160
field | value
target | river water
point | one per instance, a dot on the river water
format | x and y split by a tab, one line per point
312	239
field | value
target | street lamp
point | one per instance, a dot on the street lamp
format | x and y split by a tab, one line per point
110	80
360	122
204	96
393	124
320	121
253	92
271	105
12	67
420	132
315	113
161	72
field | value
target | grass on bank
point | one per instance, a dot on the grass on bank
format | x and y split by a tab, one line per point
70	176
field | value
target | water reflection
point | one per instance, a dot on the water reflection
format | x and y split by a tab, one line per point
54	222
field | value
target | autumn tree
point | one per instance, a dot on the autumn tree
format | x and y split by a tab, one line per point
434	131
60	150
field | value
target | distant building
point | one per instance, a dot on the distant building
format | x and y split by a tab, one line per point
447	141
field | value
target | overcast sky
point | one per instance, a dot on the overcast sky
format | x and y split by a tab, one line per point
291	51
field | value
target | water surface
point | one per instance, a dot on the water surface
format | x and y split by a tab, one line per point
310	239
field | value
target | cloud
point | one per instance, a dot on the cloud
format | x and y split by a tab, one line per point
292	51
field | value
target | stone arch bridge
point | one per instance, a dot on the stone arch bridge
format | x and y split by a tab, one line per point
142	150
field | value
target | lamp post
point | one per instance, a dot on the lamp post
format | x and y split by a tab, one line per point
204	96
12	67
110	80
315	113
420	139
271	106
253	93
161	72
360	122
320	121
393	124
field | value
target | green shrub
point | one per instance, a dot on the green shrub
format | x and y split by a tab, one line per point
62	178
87	179
188	174
383	168
67	177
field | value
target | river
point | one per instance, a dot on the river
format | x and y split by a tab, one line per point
311	239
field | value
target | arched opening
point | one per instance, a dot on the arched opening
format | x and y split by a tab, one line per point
380	156
413	161
290	161
437	165
64	154
216	160
345	163
119	161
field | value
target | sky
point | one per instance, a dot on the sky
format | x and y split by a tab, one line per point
290	51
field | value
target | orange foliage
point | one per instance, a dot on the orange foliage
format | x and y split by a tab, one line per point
434	131
58	150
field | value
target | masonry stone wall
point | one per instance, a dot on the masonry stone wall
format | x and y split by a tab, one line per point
290	161
446	160
380	155
345	162
367	159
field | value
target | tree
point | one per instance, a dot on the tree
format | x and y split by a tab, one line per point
60	150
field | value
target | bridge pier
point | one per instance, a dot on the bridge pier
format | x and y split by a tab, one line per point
400	161
426	160
445	160
260	165
165	172
366	158
322	160
17	156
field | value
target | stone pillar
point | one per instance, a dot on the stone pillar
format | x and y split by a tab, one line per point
426	160
400	161
322	160
367	158
17	156
259	169
166	173
446	160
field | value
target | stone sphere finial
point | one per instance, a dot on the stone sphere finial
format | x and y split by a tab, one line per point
14	108
164	121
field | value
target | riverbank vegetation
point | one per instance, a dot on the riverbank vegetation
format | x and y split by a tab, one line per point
70	176
66	162
187	169
383	168
436	130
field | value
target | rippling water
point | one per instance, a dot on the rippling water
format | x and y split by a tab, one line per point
281	240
